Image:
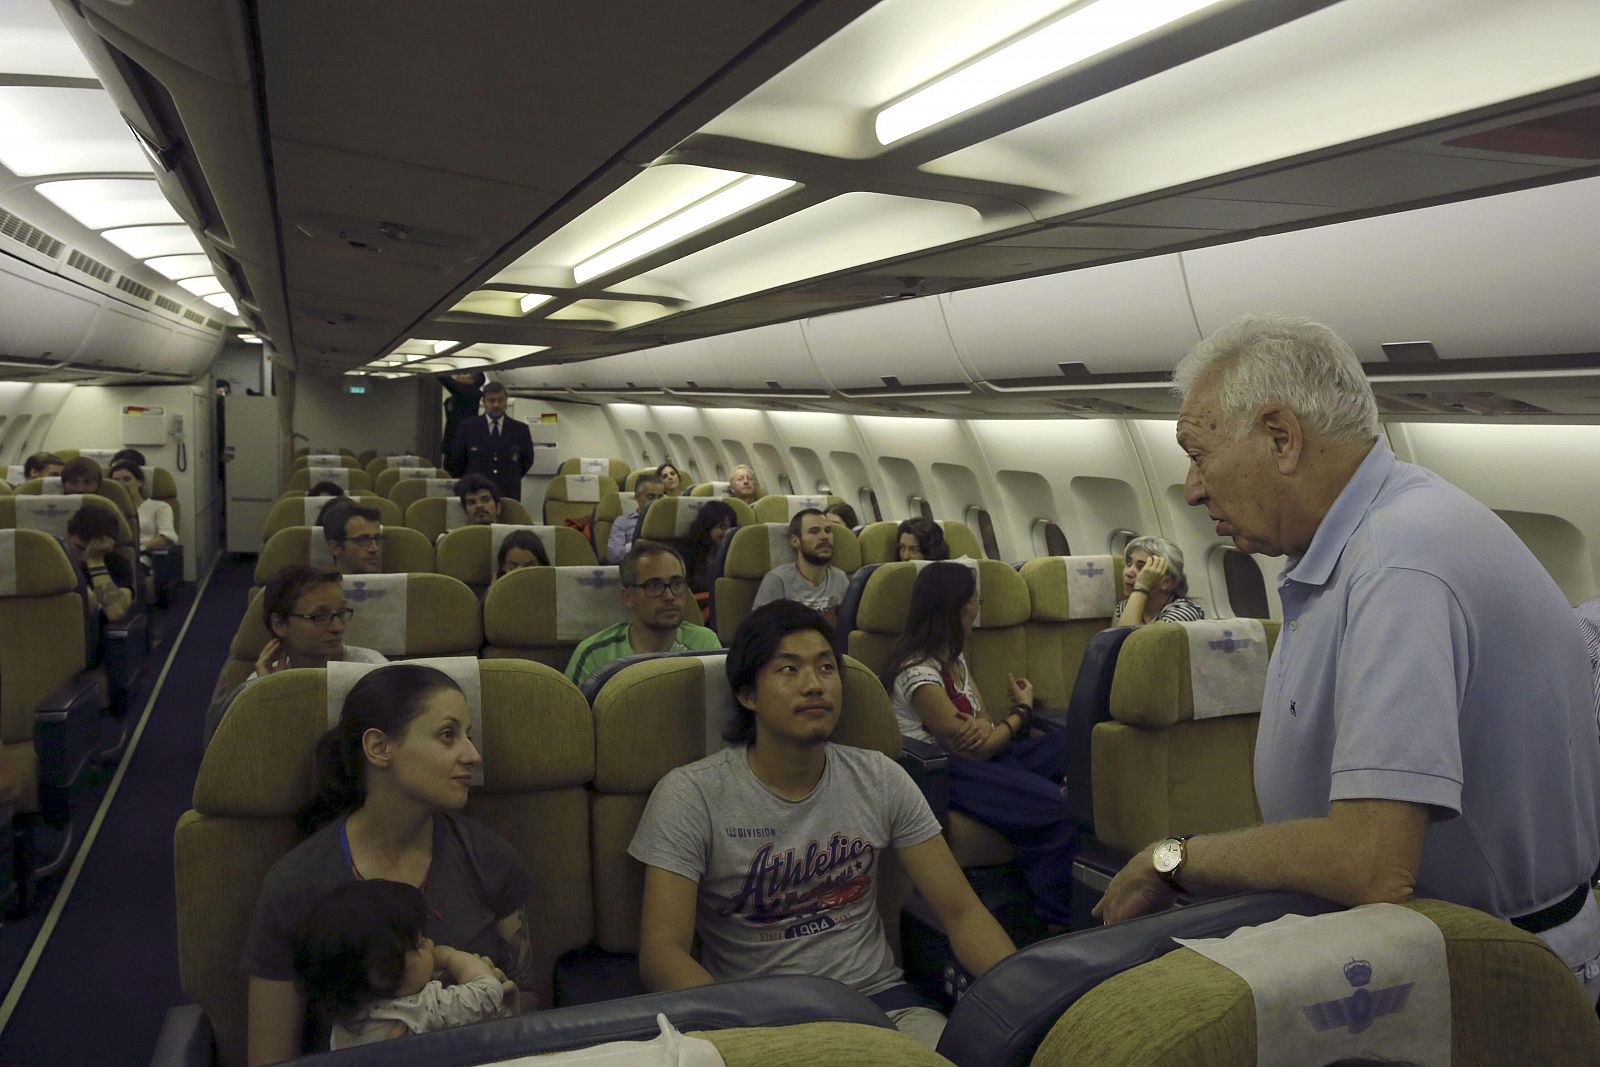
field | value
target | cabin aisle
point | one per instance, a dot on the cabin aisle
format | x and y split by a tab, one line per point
110	969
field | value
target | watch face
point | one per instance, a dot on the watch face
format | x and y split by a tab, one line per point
1167	856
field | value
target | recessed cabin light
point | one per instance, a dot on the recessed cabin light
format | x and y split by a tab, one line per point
1085	32
102	203
744	192
143	242
250	339
206	286
530	301
179	267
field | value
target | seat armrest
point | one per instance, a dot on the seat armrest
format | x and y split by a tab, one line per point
66	731
123	648
1049	718
186	1039
929	767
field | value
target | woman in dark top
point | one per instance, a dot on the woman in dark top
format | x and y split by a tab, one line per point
465	389
394	775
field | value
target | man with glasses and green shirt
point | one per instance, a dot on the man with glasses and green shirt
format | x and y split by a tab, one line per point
652	587
354	532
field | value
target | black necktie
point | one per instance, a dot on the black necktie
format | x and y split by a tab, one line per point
494	428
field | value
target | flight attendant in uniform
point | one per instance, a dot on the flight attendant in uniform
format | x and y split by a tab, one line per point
463	391
494	445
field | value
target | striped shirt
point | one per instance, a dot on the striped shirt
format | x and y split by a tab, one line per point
602	647
1179	609
1589	623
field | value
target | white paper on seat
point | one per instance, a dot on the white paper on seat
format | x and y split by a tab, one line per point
1369	982
718	699
719	488
318	554
324	459
380	619
797	504
8	563
1092	586
455	516
591	465
414	472
587	601
342	677
688	510
583	488
439	487
499	530
14	476
47	513
779	550
670	1049
406	460
101	456
1227	666
339	476
314	506
50	486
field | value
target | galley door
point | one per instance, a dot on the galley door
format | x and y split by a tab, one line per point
252	453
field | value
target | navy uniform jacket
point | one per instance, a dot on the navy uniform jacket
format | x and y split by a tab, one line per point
503	461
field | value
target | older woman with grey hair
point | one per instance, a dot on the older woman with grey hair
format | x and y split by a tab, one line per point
1153	584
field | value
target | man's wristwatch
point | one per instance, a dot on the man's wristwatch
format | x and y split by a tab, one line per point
1168	859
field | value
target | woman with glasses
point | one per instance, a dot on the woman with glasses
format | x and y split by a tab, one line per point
654	589
1000	775
305	612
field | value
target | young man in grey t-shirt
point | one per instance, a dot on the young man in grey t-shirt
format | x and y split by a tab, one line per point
771	850
811	579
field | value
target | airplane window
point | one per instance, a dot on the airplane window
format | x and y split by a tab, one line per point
821	488
785	484
921	506
1055	543
979	519
1118	543
869	505
1247	590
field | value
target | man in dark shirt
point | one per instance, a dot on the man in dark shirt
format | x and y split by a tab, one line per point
495	445
92	539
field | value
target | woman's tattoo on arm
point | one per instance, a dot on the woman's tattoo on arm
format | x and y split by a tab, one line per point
518	953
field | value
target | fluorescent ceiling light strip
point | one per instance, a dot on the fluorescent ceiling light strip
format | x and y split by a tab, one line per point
101	203
1085	32
530	301
207	286
741	194
443	346
223	301
250	339
142	242
179	267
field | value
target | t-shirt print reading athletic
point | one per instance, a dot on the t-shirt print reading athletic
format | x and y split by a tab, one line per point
787	886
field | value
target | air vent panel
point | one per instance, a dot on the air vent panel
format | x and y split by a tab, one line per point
28	234
194	316
90	266
168	304
133	288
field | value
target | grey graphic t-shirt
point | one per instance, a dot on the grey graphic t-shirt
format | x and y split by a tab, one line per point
787	887
787	583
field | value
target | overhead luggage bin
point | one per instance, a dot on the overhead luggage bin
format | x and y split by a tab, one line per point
853	348
767	359
1121	318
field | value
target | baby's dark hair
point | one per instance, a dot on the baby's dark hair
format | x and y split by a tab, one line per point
350	949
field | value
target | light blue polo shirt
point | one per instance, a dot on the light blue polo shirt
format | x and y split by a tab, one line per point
1427	656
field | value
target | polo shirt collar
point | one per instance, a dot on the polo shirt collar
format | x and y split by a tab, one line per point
1339	524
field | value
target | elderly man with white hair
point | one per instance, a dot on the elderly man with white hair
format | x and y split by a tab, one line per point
1427	724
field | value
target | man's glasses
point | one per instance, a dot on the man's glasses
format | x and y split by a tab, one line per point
364	540
658	586
324	618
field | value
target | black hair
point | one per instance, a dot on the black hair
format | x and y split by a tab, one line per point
468	484
81	468
929	535
639	482
130	455
933	622
661	470
350	948
797	522
628	570
130	466
88	523
327	489
336	515
713	513
754	645
846	513
286	587
523	539
495	387
34	465
386	699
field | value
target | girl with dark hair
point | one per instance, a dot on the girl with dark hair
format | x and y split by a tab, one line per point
363	962
999	775
921	539
521	548
844	515
715	521
672	481
392	778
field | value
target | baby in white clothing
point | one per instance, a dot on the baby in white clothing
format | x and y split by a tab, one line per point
363	962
